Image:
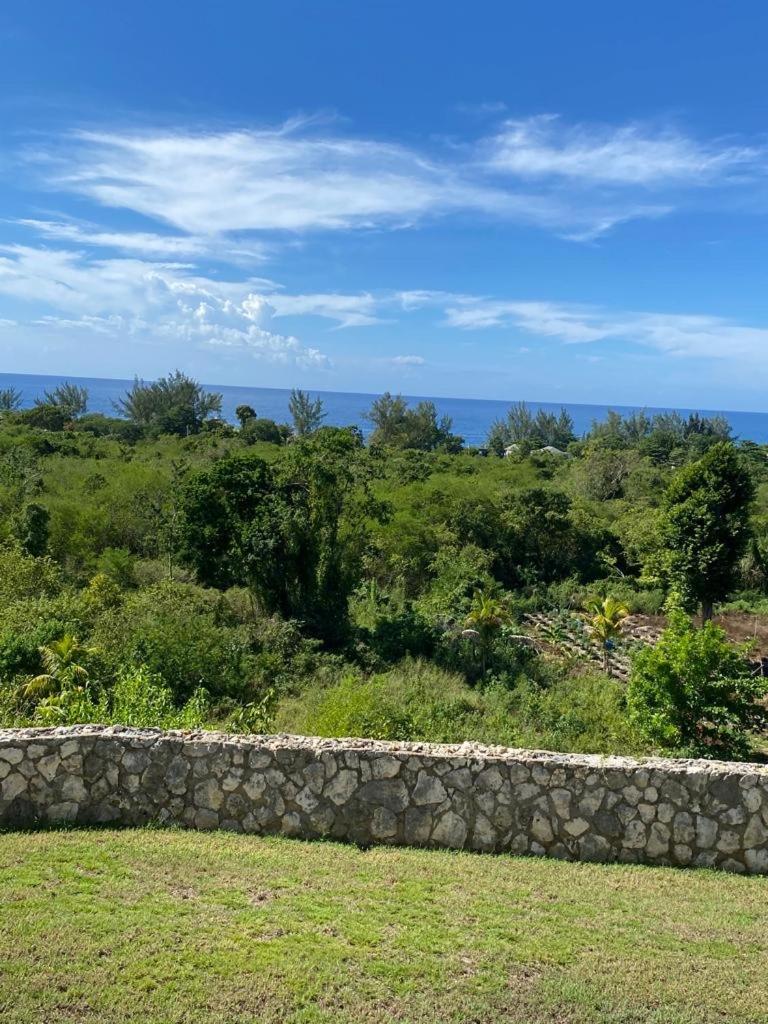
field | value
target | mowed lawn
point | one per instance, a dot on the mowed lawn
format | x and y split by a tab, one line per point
157	926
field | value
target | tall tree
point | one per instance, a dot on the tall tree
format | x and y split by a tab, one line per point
705	527
10	399
397	425
175	404
71	399
307	413
486	617
293	533
244	413
605	623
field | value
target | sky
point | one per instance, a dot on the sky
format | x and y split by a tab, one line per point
546	201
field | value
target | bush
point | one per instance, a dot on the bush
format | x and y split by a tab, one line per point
182	634
262	430
138	699
418	701
693	693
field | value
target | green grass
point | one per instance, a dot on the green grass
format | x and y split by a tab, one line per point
167	926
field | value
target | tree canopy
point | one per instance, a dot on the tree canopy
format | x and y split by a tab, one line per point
705	526
175	404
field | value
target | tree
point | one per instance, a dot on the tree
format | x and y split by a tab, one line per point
260	429
307	414
293	533
545	538
69	398
244	413
705	527
522	428
63	667
486	617
10	399
693	693
31	527
175	404
605	623
397	425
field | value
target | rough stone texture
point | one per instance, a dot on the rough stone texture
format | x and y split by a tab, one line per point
576	807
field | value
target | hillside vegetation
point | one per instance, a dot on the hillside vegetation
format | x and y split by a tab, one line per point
163	567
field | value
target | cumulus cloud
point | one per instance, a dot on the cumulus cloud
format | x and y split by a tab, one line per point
129	299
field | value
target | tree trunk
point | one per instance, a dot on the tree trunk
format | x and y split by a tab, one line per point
706	611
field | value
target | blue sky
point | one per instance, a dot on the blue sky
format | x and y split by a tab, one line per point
548	201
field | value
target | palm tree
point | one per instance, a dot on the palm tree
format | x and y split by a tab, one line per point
606	619
63	669
486	617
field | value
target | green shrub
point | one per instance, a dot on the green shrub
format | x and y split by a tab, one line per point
694	693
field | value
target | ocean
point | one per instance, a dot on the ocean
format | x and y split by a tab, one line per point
471	416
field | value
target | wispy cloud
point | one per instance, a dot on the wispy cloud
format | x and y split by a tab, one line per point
147	244
626	155
579	181
271	180
359	310
682	335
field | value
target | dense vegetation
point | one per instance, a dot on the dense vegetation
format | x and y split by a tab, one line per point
163	566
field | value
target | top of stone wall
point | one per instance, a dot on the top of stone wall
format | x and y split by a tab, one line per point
469	750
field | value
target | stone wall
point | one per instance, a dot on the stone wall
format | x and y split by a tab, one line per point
570	806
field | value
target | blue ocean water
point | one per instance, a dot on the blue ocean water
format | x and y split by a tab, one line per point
471	416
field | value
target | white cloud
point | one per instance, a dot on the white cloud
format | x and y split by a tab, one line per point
292	180
348	310
408	361
685	335
147	244
128	299
625	155
280	179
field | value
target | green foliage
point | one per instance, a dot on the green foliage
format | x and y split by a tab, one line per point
705	526
254	430
184	635
398	426
138	698
71	399
694	693
607	615
175	404
294	536
546	538
245	413
417	701
31	528
522	428
118	565
307	413
10	399
22	575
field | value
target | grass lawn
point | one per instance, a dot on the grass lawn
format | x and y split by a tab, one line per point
158	926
